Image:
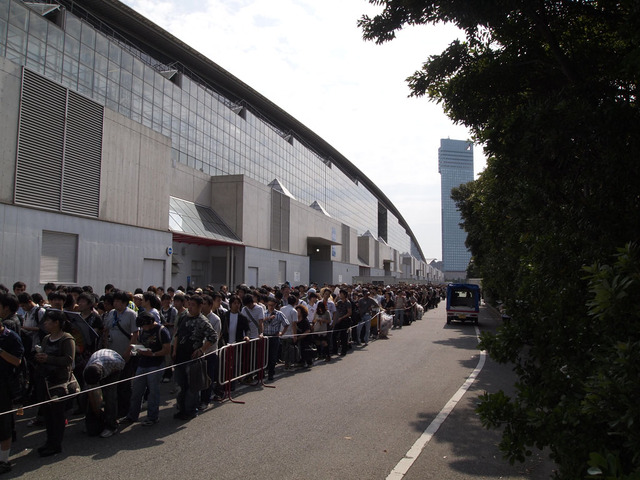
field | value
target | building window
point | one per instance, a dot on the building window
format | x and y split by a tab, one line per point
59	257
382	222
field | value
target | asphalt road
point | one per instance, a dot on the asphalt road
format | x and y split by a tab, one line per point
355	417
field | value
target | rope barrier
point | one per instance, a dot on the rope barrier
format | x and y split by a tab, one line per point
92	389
229	362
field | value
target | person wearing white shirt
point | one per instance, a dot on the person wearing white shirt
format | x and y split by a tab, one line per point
312	305
207	311
289	352
255	314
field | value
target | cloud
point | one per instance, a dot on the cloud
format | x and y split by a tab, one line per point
308	57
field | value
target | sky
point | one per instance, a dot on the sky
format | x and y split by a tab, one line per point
309	58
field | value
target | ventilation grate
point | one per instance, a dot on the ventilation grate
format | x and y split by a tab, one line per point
59	148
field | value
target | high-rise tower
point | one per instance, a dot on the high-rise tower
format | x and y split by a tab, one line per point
455	164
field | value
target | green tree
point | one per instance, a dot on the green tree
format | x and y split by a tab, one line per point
611	402
550	89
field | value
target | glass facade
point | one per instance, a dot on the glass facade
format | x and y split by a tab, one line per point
207	130
397	235
455	158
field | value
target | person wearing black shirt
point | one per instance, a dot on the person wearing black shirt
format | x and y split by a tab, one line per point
8	308
342	322
193	336
156	343
11	353
53	375
303	336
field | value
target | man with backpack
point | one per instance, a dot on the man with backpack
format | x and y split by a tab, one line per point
156	344
193	336
32	325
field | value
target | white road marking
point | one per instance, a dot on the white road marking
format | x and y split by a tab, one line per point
401	469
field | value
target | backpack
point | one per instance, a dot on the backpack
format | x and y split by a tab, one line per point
39	316
163	317
159	333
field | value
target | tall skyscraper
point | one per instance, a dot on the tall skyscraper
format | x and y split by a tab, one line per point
455	164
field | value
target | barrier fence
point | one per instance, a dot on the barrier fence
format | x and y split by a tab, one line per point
240	360
236	362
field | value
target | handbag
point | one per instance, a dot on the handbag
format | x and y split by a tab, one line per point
60	390
198	377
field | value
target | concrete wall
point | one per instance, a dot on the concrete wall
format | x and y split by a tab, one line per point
367	250
343	273
183	255
216	260
10	78
385	252
308	222
455	276
353	247
332	273
189	184
409	265
256	214
268	265
377	272
135	174
107	252
227	200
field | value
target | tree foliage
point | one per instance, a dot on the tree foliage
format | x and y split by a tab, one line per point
612	388
550	89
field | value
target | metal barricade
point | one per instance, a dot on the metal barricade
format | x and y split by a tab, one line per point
240	360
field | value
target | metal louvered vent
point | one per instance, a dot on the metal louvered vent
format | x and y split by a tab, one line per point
276	220
286	219
346	245
40	142
59	148
280	221
82	156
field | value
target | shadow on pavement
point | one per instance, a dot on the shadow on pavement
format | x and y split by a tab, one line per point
474	449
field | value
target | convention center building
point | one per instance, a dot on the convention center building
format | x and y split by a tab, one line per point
128	157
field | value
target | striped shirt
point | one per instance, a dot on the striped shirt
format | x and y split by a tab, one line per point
272	326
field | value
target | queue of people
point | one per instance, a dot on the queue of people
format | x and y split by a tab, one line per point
120	346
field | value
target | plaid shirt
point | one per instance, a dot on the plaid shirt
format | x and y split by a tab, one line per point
272	326
109	360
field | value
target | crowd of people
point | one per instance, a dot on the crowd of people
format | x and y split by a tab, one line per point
118	347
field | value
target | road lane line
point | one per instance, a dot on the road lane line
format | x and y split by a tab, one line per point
401	469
